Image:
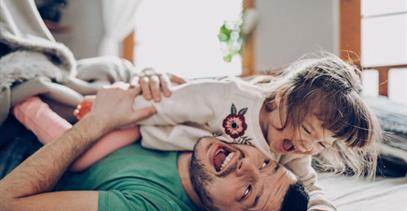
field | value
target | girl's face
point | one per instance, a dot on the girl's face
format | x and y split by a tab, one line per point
310	138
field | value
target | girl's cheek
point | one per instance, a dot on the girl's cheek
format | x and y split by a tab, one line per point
317	150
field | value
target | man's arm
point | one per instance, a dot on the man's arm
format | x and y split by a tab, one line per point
26	187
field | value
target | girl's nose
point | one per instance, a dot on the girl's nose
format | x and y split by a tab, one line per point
303	146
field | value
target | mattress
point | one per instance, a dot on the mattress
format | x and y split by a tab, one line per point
382	194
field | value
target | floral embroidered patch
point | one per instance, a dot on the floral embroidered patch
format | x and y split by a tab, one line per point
235	125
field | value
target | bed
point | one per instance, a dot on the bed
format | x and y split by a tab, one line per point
349	194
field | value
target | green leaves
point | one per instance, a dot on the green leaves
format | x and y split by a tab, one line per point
231	39
224	34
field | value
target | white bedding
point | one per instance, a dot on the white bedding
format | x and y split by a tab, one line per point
349	194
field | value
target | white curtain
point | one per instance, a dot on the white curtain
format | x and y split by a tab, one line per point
119	17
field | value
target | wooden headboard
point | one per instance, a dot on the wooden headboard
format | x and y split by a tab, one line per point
384	76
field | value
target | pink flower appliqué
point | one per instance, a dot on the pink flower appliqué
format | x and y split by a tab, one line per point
235	124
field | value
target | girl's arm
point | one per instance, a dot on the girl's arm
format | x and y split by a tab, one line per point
48	126
197	101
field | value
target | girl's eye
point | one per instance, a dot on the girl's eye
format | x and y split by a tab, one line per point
246	192
306	130
322	145
265	164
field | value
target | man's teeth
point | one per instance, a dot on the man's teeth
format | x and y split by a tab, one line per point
226	161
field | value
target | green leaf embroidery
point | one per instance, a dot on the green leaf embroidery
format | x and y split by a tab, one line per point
242	111
233	109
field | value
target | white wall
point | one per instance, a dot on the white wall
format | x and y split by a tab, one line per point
290	28
287	29
86	27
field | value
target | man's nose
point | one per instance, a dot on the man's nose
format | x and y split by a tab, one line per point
246	168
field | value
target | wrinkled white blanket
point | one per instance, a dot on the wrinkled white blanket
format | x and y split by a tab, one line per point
349	194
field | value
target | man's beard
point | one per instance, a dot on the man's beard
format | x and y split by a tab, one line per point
200	178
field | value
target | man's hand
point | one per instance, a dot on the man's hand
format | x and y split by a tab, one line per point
113	107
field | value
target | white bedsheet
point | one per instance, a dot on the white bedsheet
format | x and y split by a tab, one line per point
349	194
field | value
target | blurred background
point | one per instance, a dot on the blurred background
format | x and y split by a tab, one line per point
182	36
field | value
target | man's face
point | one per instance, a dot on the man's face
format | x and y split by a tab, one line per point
238	177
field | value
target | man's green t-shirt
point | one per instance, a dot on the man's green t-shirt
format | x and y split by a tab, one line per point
133	178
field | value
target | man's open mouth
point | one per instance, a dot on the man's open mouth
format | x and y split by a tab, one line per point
222	158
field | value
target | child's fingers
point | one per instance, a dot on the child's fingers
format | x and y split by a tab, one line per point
176	78
155	87
145	87
165	84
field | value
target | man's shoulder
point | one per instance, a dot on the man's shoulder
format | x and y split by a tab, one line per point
152	199
133	177
148	181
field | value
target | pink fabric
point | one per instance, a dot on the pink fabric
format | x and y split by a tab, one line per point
40	119
36	116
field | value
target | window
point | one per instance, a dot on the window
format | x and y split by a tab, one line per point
180	36
384	42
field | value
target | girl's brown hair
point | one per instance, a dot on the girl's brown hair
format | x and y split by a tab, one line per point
333	86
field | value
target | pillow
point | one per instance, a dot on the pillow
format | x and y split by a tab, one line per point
393	120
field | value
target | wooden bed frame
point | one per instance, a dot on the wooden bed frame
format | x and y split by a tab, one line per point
350	41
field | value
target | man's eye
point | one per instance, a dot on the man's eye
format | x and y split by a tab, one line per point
265	164
246	192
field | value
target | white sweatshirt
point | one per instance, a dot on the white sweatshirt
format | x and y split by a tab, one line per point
227	109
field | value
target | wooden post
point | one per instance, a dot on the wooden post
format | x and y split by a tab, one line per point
350	30
248	54
383	81
128	47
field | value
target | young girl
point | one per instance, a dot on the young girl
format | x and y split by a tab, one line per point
312	108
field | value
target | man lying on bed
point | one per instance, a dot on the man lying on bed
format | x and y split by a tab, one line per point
134	178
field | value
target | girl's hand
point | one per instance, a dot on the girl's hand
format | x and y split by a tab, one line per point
153	83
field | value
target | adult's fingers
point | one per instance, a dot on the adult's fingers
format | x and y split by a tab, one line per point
89	98
121	85
135	80
135	89
143	113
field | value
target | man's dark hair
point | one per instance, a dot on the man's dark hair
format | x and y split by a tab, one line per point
200	180
296	199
